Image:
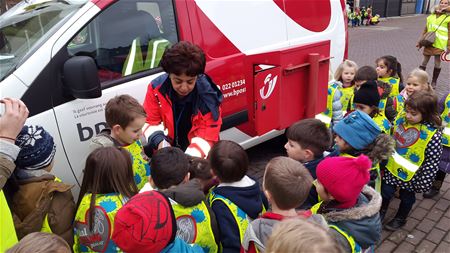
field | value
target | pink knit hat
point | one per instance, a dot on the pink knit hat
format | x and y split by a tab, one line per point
344	177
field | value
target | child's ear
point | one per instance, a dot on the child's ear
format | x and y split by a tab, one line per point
186	178
151	182
116	129
309	154
268	196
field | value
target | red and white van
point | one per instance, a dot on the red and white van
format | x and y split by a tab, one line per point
271	59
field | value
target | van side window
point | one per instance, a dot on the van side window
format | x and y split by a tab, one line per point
128	37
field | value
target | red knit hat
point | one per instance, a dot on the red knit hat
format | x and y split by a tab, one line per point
145	223
344	177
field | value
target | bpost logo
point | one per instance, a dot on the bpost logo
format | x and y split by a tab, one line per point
445	56
269	86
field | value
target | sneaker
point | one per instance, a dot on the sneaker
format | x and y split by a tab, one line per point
395	224
431	193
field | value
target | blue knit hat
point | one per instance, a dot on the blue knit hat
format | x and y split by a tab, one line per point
37	148
357	129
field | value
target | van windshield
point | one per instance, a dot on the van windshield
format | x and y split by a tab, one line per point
27	25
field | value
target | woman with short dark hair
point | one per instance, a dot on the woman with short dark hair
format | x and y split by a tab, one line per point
184	105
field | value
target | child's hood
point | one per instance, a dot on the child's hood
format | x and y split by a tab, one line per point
249	199
187	194
362	221
103	139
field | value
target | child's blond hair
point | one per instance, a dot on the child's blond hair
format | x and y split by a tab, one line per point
301	236
40	242
422	76
340	69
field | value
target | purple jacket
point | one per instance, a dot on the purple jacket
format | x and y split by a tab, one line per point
444	163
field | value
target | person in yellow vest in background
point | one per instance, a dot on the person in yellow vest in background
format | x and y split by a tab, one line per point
107	185
389	70
125	118
40	201
349	205
374	20
11	123
237	200
196	222
444	163
438	21
414	165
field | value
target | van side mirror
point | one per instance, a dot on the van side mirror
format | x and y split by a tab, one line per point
80	77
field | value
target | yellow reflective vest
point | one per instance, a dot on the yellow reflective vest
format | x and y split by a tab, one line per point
99	238
327	116
241	218
347	96
141	168
351	241
394	82
194	226
8	235
440	25
135	61
411	142
383	123
446	122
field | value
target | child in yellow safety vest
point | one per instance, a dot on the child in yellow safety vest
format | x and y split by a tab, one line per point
286	185
444	163
196	222
146	223
237	200
107	185
389	70
358	134
345	81
309	149
40	201
348	205
301	236
414	164
417	80
125	118
385	104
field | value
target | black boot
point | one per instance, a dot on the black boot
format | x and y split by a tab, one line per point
424	68
382	214
436	73
434	190
395	224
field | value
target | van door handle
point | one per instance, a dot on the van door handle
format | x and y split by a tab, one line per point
292	69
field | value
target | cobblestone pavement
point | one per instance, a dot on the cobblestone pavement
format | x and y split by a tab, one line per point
428	227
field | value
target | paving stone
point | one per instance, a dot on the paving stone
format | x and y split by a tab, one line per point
415	237
442	204
447	237
426	225
385	234
435	214
398	236
411	224
427	203
444	224
436	235
405	247
446	195
419	213
443	247
425	247
386	247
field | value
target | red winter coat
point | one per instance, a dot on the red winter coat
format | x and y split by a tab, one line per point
206	116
